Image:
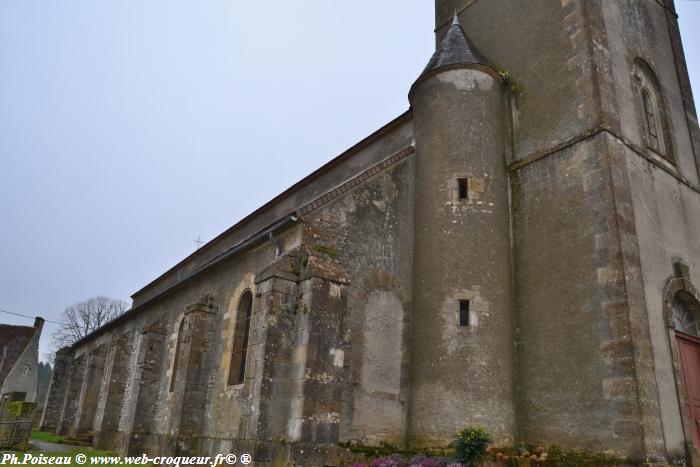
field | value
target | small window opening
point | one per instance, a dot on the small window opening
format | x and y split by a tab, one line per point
463	191
178	350
464	312
651	121
236	374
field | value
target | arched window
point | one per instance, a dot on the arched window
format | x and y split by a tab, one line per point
181	339
651	106
236	373
686	313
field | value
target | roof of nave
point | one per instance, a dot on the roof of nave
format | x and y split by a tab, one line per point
384	147
344	167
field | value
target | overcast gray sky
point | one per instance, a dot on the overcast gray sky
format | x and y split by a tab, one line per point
129	129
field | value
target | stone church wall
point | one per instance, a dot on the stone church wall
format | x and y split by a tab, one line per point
656	193
158	382
661	206
57	390
370	231
571	305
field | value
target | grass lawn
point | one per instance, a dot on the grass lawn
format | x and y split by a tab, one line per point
44	436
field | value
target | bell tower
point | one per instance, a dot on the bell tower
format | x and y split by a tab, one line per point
604	197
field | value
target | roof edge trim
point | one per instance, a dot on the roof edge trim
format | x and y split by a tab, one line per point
295	187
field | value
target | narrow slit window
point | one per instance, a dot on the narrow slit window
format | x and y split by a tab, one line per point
464	312
178	349
463	188
236	374
651	120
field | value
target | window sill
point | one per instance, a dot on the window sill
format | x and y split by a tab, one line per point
661	159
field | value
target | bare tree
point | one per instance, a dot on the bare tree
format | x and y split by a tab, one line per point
81	319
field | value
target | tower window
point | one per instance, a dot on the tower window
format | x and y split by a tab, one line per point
463	190
651	109
651	121
464	312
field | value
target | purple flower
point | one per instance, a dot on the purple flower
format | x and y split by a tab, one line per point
387	461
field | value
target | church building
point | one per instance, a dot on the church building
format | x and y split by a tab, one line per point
520	250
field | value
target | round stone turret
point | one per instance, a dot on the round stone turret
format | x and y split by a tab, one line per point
461	322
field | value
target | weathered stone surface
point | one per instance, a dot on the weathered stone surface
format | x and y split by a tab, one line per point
57	391
505	253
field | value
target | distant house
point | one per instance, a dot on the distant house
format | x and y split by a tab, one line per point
19	357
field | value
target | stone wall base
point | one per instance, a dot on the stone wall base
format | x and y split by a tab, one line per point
270	453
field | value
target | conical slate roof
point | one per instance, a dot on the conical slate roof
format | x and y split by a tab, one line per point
456	48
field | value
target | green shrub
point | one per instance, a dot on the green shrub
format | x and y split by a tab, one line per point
471	445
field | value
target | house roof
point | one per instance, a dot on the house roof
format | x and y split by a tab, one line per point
13	341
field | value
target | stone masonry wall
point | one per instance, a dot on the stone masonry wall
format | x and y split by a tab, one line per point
71	399
90	392
574	310
292	404
145	400
57	390
112	395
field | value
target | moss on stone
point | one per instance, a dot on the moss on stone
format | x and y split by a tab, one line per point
299	263
326	250
14	409
386	449
573	457
21	410
561	457
383	449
